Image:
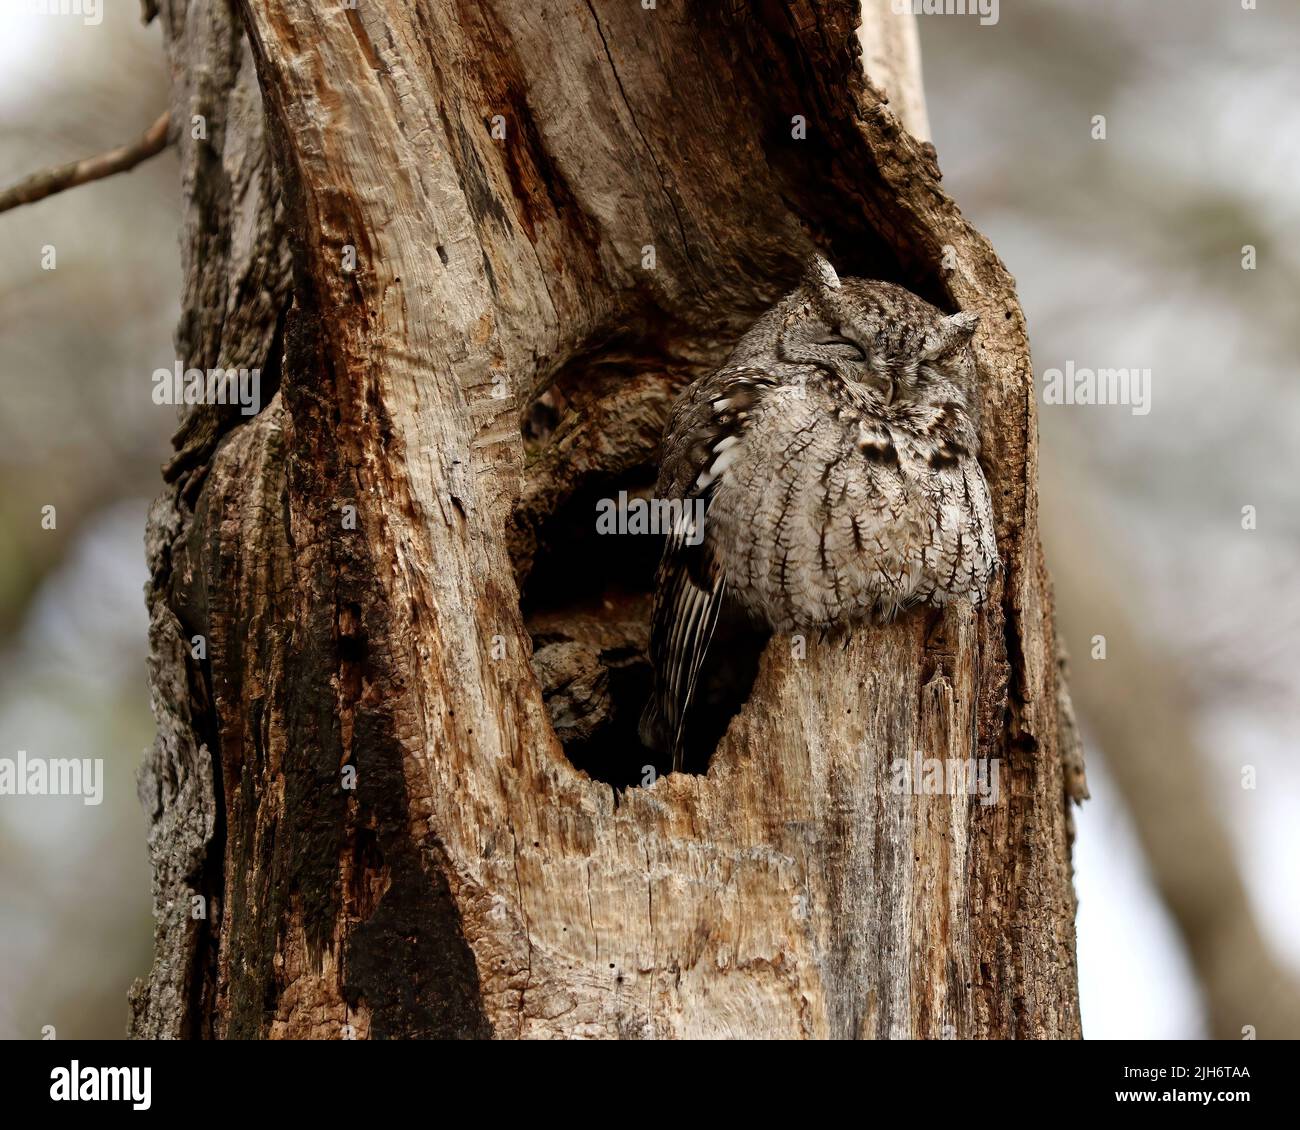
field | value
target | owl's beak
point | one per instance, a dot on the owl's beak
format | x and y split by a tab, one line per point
889	391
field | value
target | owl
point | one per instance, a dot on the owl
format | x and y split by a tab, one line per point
828	474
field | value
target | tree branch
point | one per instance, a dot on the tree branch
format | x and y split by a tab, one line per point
121	160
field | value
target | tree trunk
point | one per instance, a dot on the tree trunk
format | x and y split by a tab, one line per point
364	822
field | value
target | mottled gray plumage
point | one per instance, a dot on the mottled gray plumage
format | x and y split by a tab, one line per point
836	454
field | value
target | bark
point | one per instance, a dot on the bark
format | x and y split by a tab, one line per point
499	358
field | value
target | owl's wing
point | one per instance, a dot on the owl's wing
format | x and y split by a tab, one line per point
688	594
701	441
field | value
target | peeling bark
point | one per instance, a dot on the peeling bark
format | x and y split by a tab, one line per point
499	356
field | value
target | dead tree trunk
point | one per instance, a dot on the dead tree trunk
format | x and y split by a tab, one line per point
475	250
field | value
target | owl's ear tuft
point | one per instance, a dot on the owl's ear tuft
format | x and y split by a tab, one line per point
951	334
819	275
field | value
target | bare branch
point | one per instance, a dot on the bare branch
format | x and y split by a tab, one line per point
123	159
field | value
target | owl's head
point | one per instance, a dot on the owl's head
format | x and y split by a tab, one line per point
877	335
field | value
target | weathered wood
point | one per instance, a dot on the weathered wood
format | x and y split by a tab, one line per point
474	882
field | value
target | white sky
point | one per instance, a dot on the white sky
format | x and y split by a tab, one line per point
21	33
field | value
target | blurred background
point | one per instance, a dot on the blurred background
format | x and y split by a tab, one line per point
78	431
1128	253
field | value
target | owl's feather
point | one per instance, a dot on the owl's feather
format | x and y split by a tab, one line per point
686	613
704	439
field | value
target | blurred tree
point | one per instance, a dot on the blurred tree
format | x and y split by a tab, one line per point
1157	759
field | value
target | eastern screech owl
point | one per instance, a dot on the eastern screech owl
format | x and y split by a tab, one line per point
834	460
